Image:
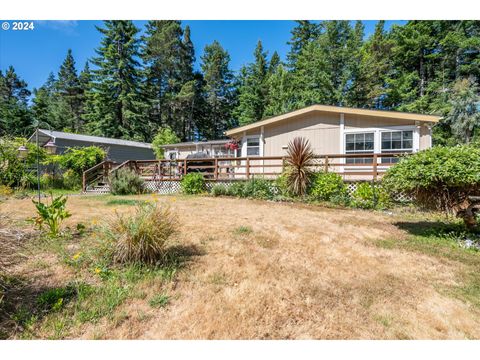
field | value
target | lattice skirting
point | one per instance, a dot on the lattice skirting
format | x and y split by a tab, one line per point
173	187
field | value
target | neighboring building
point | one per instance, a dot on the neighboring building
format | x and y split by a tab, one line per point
337	130
117	150
213	148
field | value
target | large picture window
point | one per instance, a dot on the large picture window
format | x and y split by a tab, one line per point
253	146
396	142
359	143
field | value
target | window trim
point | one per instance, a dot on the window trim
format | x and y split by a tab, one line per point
377	145
260	145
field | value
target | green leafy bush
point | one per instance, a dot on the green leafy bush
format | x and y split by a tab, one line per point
52	215
327	185
126	182
79	159
258	188
236	189
164	136
71	180
440	178
142	237
13	168
282	185
193	183
370	196
219	190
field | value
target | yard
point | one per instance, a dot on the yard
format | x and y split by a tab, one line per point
247	269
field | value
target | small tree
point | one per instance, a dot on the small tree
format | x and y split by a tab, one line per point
440	178
464	116
164	136
80	159
299	159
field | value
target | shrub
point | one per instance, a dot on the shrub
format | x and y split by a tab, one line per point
52	215
258	188
12	167
299	159
236	189
440	178
164	136
71	180
126	182
370	196
327	185
193	183
281	184
142	237
79	159
219	190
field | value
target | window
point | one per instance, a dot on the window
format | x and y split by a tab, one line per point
396	142
253	146
359	143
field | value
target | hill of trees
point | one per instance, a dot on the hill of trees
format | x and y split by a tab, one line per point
137	85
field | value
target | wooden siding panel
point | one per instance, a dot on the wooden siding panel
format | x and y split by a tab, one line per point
322	130
359	122
425	137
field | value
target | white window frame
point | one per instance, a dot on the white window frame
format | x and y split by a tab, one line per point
260	145
377	143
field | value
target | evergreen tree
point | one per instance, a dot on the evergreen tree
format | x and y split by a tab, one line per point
464	116
44	103
70	95
304	33
253	89
116	107
219	92
15	116
280	96
169	56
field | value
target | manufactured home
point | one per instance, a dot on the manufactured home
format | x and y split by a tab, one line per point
337	130
117	150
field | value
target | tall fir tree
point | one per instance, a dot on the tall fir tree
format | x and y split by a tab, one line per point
70	95
116	107
168	54
218	90
253	88
15	115
303	33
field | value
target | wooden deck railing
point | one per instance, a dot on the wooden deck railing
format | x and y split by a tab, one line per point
351	166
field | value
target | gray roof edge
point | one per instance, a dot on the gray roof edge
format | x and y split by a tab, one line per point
192	143
93	139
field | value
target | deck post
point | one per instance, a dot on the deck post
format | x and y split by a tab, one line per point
326	163
247	170
84	182
184	166
216	169
375	160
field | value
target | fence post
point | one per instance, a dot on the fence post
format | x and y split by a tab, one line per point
84	182
326	163
216	169
247	170
184	166
375	160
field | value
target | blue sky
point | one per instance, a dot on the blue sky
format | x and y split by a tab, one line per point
36	53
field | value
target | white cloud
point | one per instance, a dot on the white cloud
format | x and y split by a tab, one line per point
67	26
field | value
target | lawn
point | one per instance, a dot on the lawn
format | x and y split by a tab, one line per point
245	269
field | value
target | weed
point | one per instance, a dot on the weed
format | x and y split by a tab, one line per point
159	301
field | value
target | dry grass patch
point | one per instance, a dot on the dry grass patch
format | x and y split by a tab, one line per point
267	270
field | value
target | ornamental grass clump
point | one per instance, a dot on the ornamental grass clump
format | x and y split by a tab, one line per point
299	161
142	237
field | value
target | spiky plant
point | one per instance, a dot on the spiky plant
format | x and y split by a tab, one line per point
299	159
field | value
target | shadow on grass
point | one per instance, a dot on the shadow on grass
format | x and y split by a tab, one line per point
24	303
179	256
431	228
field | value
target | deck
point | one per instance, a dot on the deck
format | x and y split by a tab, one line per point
352	167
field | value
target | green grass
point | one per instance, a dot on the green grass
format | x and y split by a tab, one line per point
159	301
129	202
243	230
437	237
